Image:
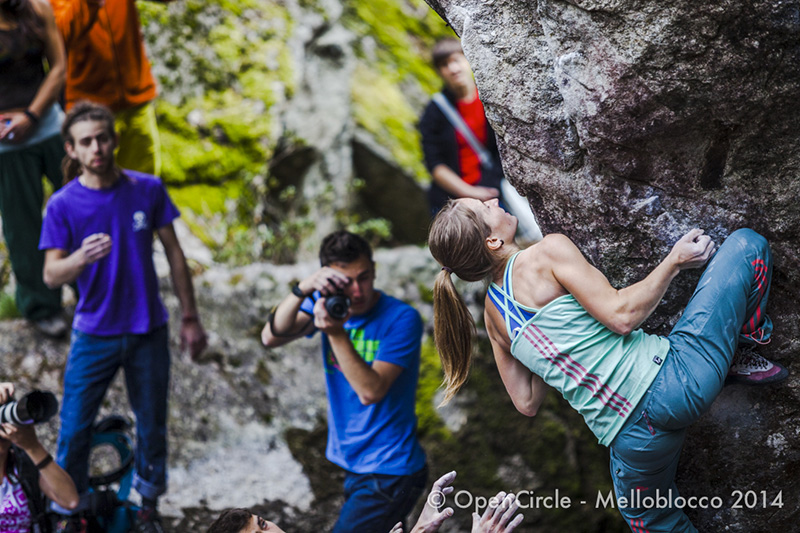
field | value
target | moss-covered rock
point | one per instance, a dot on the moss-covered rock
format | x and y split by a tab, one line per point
394	76
233	77
221	67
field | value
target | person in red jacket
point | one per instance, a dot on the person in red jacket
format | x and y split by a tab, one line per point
107	64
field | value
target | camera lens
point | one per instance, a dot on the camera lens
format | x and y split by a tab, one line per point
337	306
35	407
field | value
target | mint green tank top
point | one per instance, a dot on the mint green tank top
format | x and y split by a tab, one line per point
602	374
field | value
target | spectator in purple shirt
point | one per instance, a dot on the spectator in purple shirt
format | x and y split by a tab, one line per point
98	231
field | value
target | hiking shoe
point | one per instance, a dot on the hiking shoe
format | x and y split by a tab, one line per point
749	368
71	524
54	327
148	521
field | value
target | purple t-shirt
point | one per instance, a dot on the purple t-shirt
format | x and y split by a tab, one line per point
15	515
119	293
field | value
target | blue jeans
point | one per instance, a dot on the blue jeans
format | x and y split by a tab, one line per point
376	502
727	306
91	366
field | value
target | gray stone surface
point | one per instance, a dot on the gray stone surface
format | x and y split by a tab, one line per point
626	123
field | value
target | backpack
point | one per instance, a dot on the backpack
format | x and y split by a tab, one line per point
38	504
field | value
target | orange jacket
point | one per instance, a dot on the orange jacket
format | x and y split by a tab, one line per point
106	60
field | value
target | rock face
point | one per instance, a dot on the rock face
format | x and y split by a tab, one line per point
626	123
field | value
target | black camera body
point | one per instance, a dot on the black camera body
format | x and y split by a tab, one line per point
35	407
337	305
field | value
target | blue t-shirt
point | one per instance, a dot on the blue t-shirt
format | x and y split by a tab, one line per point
380	438
118	293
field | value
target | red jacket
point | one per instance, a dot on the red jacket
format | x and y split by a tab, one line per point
106	60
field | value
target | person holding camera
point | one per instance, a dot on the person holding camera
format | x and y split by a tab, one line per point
371	356
28	474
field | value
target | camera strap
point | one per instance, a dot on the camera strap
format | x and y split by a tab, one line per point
29	480
457	121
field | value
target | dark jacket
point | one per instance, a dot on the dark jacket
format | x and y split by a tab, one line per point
439	147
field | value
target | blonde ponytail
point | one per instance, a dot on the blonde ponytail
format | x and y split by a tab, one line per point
457	241
453	330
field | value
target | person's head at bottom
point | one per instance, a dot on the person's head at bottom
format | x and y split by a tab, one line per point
242	521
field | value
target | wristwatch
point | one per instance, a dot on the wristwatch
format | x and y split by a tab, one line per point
297	292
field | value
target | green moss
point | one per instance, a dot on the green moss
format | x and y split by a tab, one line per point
425	293
224	62
226	65
8	308
262	373
203	199
404	32
380	107
431	425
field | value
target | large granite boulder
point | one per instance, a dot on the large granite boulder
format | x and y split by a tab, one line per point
626	123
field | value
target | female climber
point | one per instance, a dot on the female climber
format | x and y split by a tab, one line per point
554	319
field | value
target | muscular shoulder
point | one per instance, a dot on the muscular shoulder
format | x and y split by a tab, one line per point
535	282
554	247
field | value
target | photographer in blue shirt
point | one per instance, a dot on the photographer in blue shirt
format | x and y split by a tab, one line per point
370	355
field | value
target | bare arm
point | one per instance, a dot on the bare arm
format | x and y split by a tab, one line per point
451	182
622	310
56	58
61	267
526	389
192	334
287	322
53	480
21	125
371	383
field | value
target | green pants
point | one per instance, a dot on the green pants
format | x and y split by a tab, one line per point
21	198
139	142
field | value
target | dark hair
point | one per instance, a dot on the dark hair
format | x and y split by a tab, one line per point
30	23
343	247
231	521
83	110
444	49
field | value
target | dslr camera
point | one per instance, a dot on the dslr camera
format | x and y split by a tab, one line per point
337	305
33	408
